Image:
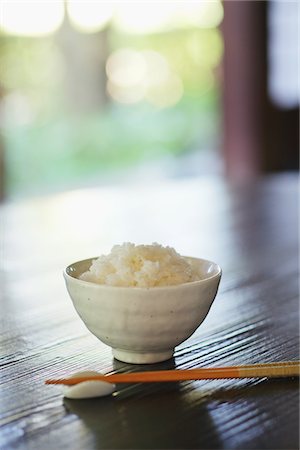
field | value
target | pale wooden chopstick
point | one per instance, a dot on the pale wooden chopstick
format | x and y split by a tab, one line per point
270	370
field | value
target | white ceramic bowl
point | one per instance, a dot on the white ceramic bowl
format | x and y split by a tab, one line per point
143	325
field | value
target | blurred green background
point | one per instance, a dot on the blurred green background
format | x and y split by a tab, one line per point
91	92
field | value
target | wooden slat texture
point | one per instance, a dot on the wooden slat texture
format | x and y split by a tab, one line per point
251	231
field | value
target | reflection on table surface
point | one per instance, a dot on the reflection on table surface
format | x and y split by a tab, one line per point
251	231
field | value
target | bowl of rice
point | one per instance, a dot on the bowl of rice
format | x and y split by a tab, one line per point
142	300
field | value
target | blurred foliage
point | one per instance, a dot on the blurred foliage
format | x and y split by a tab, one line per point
192	53
56	148
32	67
69	150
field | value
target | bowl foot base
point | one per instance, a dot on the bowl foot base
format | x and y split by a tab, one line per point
141	358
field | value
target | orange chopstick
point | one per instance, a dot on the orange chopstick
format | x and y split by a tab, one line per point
271	370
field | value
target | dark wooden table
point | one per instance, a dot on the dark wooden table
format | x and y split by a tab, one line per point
251	231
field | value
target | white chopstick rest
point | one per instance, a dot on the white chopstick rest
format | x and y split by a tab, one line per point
88	389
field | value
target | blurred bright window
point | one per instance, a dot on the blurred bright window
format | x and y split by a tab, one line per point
283	24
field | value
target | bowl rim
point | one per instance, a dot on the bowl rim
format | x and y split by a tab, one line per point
217	275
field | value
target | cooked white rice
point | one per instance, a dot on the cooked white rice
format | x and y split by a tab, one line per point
141	266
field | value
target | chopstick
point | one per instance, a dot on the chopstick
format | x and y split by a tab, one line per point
270	370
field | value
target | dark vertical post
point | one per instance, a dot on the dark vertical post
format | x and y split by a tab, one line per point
244	88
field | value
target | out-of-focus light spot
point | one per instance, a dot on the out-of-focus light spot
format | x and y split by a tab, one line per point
204	14
147	18
126	68
34	18
143	17
164	87
25	18
167	93
89	17
206	52
157	68
128	94
135	76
